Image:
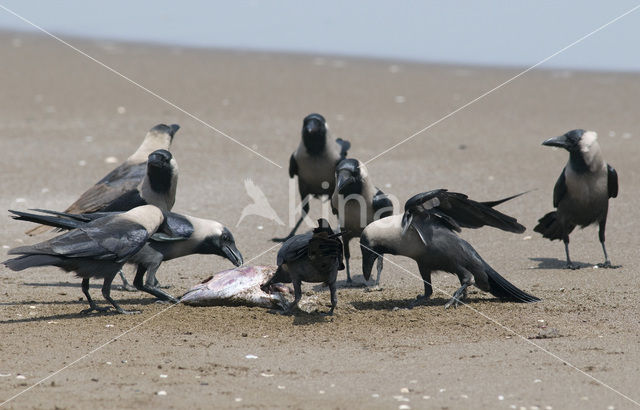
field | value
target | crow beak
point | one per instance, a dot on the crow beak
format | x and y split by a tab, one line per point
368	256
407	218
344	181
560	141
174	128
233	254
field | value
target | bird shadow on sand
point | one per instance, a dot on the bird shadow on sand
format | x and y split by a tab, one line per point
126	303
63	285
555	263
340	284
64	316
302	318
96	285
390	304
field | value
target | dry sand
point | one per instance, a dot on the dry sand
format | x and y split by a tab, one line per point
60	110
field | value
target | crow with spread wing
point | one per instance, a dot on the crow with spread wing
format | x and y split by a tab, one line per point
427	233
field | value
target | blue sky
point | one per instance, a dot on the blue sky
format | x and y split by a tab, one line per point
511	33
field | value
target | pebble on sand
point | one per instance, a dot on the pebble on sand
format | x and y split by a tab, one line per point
251	356
111	160
20	377
161	393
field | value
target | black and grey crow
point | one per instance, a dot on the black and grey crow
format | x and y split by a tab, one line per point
98	249
426	233
581	194
179	235
311	257
357	202
314	162
123	179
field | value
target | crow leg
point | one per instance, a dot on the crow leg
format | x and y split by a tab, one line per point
151	278
125	283
570	264
334	297
379	268
297	293
347	256
305	211
428	289
106	293
466	280
607	261
92	304
458	296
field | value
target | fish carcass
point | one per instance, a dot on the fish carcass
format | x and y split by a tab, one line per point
239	286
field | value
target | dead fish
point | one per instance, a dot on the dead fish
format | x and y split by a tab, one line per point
239	286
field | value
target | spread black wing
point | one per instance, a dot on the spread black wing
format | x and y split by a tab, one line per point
456	211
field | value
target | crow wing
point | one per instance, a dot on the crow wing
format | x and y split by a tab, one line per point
175	228
560	189
612	181
293	166
294	248
107	238
118	182
457	211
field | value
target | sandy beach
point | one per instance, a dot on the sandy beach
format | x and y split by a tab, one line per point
63	115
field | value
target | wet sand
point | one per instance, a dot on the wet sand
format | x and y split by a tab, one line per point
62	115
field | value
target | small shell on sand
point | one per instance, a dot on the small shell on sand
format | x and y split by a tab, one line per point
111	160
